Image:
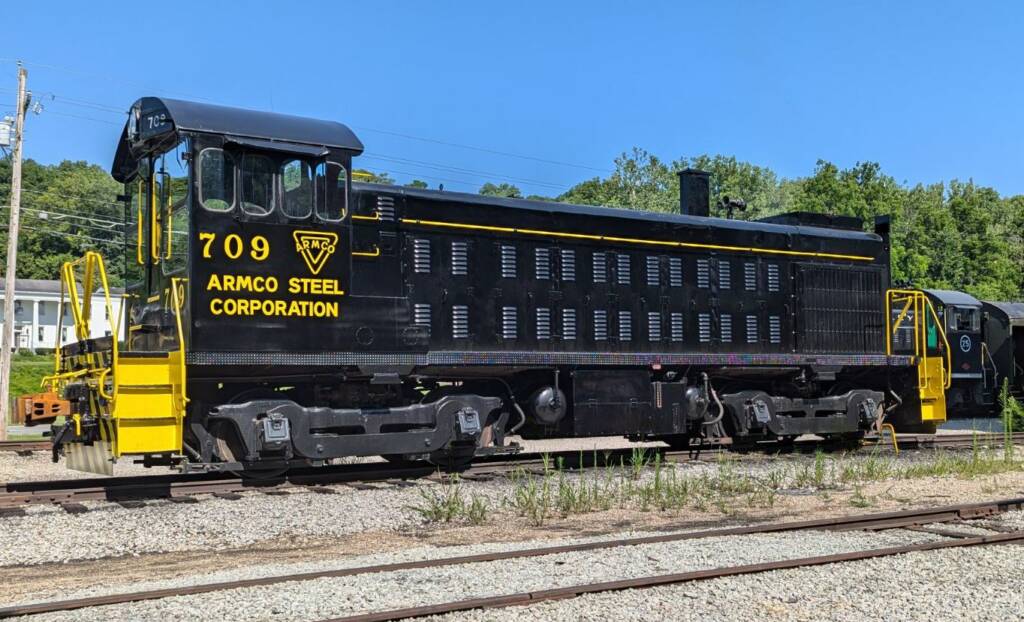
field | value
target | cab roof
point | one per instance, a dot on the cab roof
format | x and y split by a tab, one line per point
180	115
956	299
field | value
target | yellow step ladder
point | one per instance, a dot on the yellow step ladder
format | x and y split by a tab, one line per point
912	311
148	405
138	397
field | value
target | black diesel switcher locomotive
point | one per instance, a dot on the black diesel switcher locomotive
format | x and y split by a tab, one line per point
277	313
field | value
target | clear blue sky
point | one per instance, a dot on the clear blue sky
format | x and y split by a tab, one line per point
931	90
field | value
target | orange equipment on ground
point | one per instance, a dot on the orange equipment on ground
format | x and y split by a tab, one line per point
40	408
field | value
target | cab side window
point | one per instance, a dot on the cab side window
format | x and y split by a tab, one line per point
258	175
297	184
216	180
332	183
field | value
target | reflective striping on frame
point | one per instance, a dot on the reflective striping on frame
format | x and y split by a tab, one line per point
610	238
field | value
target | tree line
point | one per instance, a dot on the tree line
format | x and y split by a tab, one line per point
946	235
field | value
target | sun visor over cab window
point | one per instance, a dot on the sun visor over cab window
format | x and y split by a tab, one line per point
276	145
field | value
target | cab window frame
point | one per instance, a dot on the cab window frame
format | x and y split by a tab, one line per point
226	156
325	191
285	203
273	170
174	260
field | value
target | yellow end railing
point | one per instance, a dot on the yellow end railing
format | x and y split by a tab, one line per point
917	306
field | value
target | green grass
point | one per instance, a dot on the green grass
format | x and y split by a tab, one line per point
27	371
660	487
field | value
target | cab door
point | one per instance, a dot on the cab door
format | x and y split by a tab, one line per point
157	251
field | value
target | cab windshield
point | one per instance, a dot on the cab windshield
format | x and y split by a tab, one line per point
275	185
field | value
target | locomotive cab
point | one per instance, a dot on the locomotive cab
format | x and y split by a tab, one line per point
972	380
219	204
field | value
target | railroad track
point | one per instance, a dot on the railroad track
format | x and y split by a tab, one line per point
178	486
25	447
906	519
175	486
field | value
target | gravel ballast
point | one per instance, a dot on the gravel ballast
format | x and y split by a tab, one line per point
325	598
975	584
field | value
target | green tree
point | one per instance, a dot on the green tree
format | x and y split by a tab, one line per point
417	183
363	175
508	191
67	209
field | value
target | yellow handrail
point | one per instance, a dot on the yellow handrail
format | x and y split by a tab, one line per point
154	224
922	306
92	266
948	376
181	333
139	226
169	217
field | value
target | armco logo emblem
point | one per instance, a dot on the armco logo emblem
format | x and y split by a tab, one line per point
316	247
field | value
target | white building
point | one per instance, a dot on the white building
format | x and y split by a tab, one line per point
36	304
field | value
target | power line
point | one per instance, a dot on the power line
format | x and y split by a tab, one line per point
84	118
482	149
75	236
44	215
93	75
407	136
455	169
74	198
71	101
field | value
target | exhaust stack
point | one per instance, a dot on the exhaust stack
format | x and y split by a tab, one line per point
694	192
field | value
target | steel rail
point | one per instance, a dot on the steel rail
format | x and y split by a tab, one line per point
171	485
878	520
174	485
25	446
529	598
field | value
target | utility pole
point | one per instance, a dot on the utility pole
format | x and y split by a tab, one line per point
12	258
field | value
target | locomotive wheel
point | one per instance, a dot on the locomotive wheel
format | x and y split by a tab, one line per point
453	457
399	459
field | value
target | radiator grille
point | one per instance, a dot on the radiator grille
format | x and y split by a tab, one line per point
543	323
675	271
625	325
569	324
773	277
460	258
841	310
653	271
752	336
750	277
460	322
600	265
508	261
543	264
704	327
421	256
724	274
703	273
623	266
725	327
421	315
775	329
676	322
386	208
653	326
509	323
600	325
568	264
